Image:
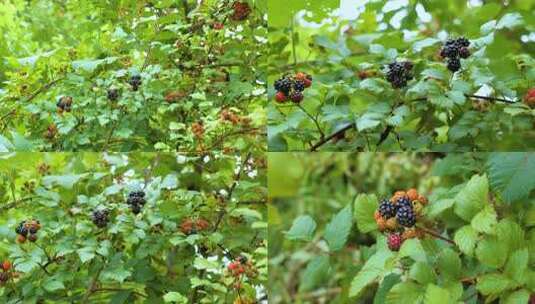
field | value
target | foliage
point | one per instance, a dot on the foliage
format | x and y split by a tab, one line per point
146	258
200	86
477	246
352	106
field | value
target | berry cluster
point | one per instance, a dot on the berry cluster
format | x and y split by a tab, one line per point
529	98
241	266
241	11
51	132
64	104
100	218
27	230
399	73
4	275
193	226
135	82
136	200
113	94
292	87
397	216
453	50
228	115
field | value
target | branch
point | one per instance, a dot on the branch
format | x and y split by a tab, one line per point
328	138
436	235
313	119
15	203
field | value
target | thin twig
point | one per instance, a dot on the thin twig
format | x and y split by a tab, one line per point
313	119
436	235
328	138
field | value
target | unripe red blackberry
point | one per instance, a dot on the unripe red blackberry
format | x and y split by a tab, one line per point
394	241
280	97
296	96
32	238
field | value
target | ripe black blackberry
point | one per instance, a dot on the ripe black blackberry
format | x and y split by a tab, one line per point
399	73
299	86
100	218
387	209
405	216
135	82
402	202
283	84
454	64
113	94
21	229
136	209
464	52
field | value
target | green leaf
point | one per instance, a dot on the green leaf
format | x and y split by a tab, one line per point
516	265
472	198
510	235
370	272
518	297
364	209
449	264
491	252
466	238
485	220
388	282
422	273
315	273
174	297
65	181
413	248
406	293
511	174
510	21
53	285
437	295
492	284
302	228
337	230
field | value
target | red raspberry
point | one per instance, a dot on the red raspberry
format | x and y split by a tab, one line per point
218	26
6	265
529	98
394	241
280	97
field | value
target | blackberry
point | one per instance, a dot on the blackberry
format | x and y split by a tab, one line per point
402	202
135	200
100	218
135	82
296	96
463	41
136	209
399	73
394	241
137	194
21	229
283	85
454	64
299	86
464	52
113	94
387	209
32	238
33	230
405	216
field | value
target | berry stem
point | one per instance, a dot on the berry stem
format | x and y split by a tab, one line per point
314	120
294	54
436	235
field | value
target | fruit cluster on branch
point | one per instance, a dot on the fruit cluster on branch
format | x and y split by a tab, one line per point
291	87
242	266
136	200
135	82
64	104
397	217
100	218
453	50
27	230
399	73
241	11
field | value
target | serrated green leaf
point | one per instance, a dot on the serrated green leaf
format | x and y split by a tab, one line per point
449	264
492	284
407	293
437	295
364	209
315	272
517	297
470	200
491	252
413	248
517	265
485	220
422	273
466	238
388	282
174	297
370	272
302	228
510	173
337	230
